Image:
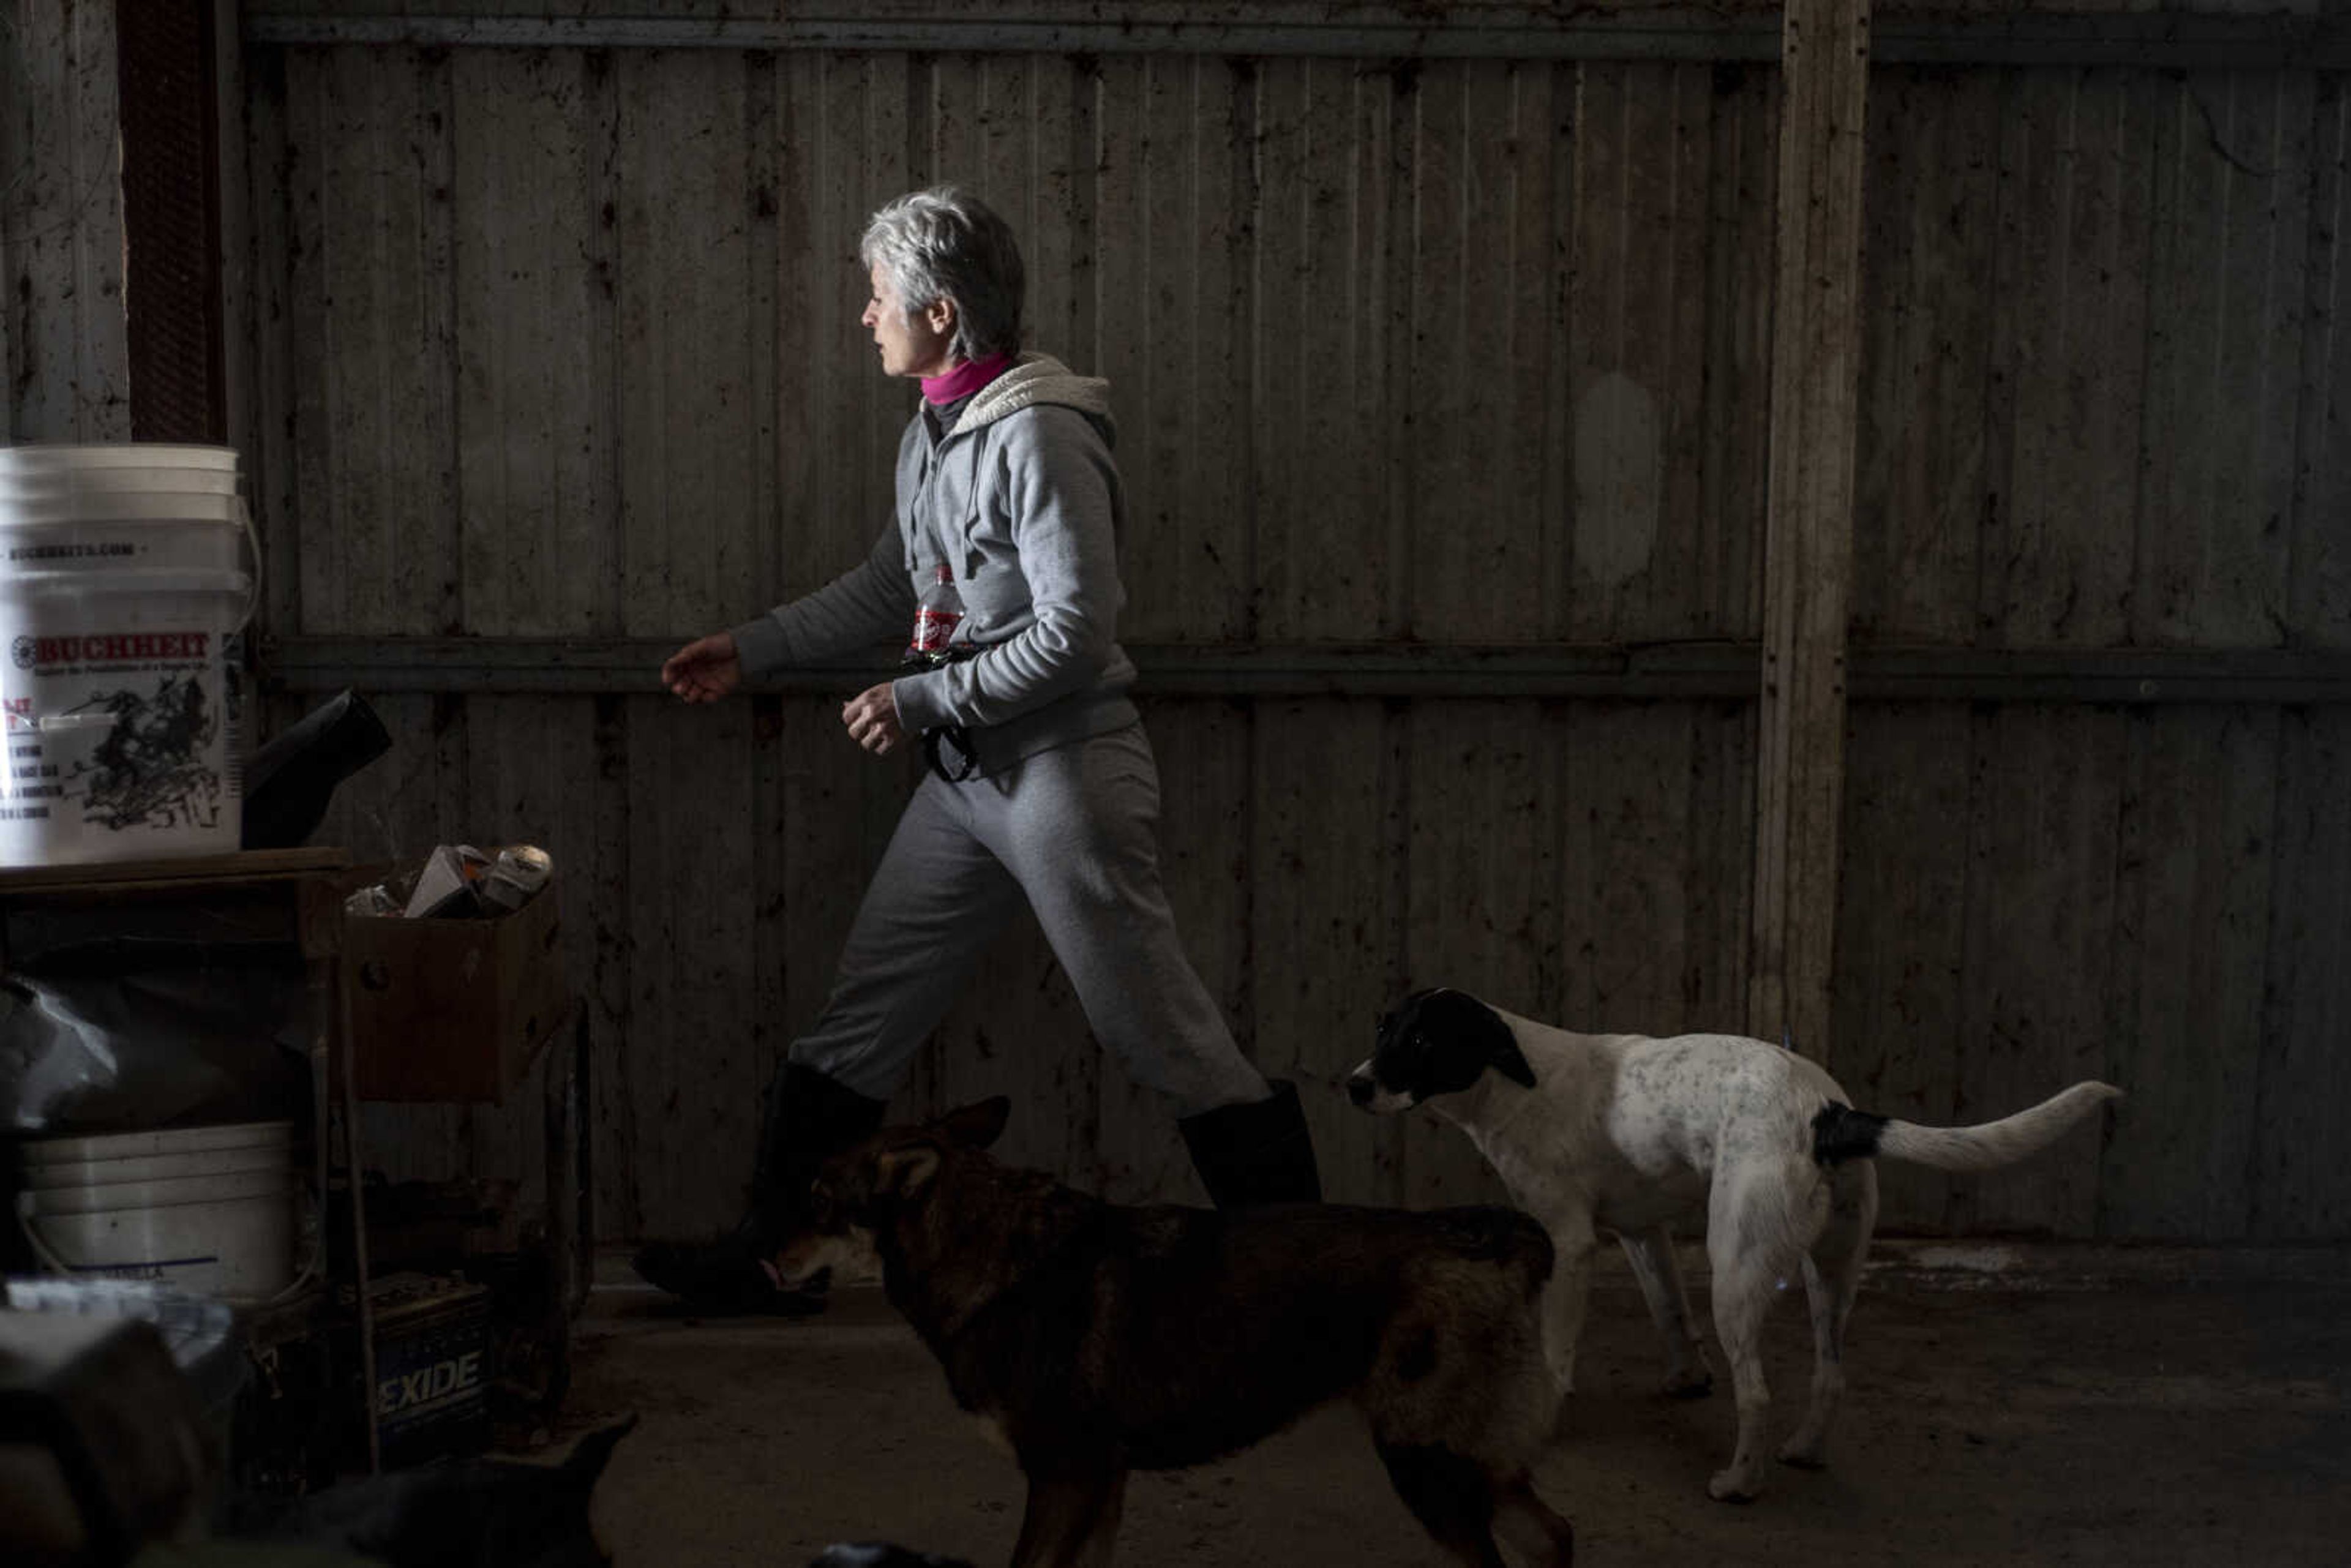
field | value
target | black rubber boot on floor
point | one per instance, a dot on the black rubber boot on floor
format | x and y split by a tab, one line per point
810	1118
1259	1152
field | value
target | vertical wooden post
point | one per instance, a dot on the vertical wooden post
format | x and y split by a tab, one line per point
1808	542
65	360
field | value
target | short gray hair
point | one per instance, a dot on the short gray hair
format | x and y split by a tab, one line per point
946	244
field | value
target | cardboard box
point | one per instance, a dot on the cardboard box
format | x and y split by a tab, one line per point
453	1009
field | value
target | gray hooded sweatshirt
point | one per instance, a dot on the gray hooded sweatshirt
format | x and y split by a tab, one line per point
1021	500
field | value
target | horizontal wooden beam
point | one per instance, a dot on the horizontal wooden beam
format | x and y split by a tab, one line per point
593	666
2175	39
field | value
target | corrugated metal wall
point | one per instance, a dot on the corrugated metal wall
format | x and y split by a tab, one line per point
563	342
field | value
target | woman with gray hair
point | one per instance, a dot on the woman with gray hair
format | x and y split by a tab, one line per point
1042	784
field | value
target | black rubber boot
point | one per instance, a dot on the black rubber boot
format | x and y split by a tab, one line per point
1259	1152
810	1118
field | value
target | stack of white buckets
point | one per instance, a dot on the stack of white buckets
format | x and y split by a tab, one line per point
127	575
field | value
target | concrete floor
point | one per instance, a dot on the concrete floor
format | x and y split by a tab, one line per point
2008	1405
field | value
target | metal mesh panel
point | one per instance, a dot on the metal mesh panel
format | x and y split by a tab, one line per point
168	186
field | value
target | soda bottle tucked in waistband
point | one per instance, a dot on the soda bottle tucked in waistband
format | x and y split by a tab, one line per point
937	614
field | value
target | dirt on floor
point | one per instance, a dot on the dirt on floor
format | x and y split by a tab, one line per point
2005	1406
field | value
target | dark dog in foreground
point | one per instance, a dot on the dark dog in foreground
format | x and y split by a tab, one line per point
485	1513
475	1513
1094	1340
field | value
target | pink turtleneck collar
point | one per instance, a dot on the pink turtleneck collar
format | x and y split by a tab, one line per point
964	379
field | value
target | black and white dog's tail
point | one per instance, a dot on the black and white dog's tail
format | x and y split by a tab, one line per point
1990	1144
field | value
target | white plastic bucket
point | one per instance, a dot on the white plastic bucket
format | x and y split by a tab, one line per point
123	590
226	1149
223	1223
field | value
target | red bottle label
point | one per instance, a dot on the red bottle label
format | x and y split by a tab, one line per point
933	628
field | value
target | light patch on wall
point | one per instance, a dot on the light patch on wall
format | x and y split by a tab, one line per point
1618	482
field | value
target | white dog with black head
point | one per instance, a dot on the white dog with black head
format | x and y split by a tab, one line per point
1628	1134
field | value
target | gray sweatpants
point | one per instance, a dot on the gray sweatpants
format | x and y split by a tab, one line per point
1073	829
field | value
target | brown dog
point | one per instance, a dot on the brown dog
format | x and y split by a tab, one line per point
1096	1340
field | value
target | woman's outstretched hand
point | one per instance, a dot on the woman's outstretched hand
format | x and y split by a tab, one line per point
703	669
872	717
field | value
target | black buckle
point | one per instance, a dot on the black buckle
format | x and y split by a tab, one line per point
947	735
934	742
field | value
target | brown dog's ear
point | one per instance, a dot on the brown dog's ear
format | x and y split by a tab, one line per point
977	1126
905	1170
